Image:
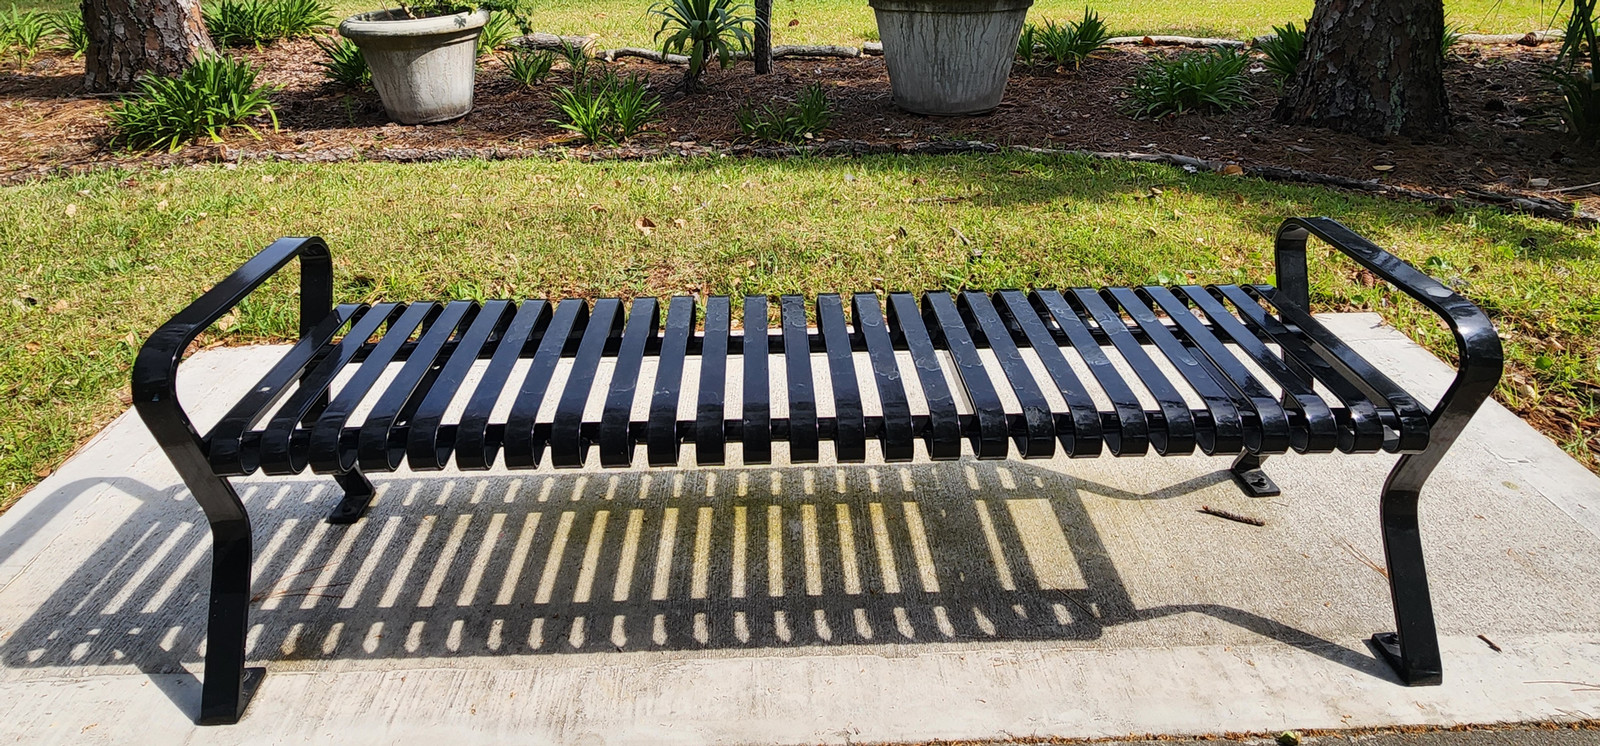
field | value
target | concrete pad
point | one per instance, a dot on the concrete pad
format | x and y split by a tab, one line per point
802	604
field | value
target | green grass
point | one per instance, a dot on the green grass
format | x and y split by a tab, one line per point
624	22
91	264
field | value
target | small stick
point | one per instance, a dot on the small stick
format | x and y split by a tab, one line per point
1208	510
1577	188
1490	643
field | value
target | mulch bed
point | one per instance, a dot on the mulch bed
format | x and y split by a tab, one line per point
1506	132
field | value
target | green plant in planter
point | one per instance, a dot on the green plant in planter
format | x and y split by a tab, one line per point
703	29
1212	82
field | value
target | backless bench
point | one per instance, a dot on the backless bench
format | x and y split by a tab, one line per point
296	417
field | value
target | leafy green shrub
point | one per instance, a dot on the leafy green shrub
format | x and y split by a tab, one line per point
1284	51
1027	44
703	29
343	62
498	32
1211	81
298	18
1069	44
214	95
802	120
530	67
577	59
71	36
607	108
1580	98
22	33
238	23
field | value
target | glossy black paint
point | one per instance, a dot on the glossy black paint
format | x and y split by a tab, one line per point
1205	337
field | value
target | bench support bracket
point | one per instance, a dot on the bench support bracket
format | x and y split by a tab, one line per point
1247	473
358	491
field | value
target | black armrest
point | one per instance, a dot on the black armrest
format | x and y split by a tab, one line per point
1481	359
155	370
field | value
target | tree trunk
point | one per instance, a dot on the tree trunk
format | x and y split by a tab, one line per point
1372	67
762	54
129	38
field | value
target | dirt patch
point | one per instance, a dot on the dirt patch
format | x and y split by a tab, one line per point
1506	131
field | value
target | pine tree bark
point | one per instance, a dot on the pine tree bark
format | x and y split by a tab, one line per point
762	53
130	38
1371	67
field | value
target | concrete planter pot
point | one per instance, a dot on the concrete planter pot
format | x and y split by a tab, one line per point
949	57
423	68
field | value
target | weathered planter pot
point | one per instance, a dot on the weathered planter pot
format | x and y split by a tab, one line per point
423	68
949	57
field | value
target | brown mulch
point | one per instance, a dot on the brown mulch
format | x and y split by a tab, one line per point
1506	132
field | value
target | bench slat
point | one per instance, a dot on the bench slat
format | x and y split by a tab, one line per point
1177	433
616	439
323	450
756	430
375	450
803	435
661	444
896	436
850	425
1082	436
710	439
1040	424
1362	430
944	424
428	447
567	444
942	316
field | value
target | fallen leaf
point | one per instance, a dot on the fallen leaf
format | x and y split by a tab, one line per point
645	225
33	347
60	305
1535	183
680	222
72	209
597	208
1232	169
456	215
268	179
1147	41
125	396
161	206
794	22
1383	168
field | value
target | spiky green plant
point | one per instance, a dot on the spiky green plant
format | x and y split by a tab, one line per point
1069	44
530	67
1284	50
498	32
343	62
22	34
1211	81
71	36
806	118
1027	44
606	109
703	29
211	97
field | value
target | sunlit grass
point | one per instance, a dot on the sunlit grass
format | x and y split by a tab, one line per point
90	265
625	23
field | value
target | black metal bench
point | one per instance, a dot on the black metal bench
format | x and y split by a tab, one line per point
1218	339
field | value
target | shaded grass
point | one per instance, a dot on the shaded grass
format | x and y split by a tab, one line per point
89	265
624	22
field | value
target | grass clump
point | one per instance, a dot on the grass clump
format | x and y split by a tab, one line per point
1283	50
343	63
607	109
71	36
216	94
1069	44
804	119
240	23
1203	82
22	34
497	32
530	67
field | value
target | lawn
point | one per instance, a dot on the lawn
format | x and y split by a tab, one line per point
626	23
89	265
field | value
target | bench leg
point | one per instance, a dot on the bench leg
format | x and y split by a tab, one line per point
358	491
228	686
1413	649
1247	473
